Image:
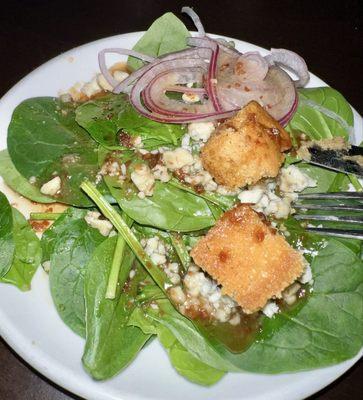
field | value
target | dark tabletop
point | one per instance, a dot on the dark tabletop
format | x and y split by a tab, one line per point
328	34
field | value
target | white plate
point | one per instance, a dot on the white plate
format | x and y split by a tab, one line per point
29	322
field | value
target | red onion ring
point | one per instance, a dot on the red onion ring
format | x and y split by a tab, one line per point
103	67
195	18
292	61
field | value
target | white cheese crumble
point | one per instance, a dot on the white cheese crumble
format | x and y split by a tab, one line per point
143	178
307	276
200	131
104	226
292	179
52	187
161	173
101	80
264	198
120	75
270	309
176	159
91	88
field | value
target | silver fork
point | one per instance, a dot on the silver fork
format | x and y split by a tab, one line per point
342	197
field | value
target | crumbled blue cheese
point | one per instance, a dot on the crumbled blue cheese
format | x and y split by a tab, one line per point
52	187
270	309
292	179
143	179
120	75
161	173
91	88
178	158
101	80
201	131
104	226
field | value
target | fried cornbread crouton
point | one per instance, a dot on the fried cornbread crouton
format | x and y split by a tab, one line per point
251	261
246	148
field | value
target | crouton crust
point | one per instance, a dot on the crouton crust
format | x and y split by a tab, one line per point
251	261
246	148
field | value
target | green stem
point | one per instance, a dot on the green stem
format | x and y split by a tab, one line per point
44	216
115	268
118	276
224	202
181	250
355	182
115	218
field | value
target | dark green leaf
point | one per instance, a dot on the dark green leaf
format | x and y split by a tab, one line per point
27	256
315	123
17	182
44	140
105	117
327	330
165	35
184	362
169	208
110	344
72	246
7	245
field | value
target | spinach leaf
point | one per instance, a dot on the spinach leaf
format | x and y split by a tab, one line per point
184	363
27	254
327	330
165	35
17	182
326	180
71	246
7	245
315	123
110	344
168	208
105	117
44	140
186	333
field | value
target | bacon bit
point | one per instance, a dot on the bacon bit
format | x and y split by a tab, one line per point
247	89
199	188
39	226
125	139
152	159
237	85
180	174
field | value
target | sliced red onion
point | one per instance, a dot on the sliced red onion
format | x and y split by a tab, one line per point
290	60
212	81
253	67
195	18
124	52
276	93
155	97
124	86
206	41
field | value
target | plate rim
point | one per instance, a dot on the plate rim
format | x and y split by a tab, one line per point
51	368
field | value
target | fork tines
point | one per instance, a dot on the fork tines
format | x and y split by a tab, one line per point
344	204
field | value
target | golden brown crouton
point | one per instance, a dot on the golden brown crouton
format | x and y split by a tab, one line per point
251	261
246	148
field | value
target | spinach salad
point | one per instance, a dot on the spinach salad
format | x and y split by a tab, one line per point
118	258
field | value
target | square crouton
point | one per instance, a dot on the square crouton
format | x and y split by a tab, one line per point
251	261
246	148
